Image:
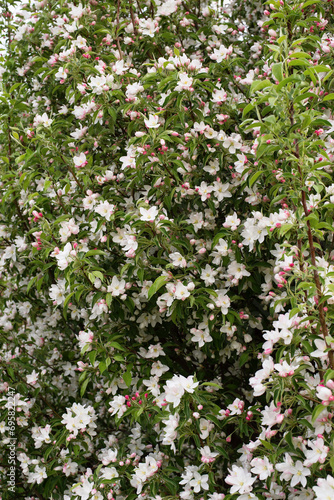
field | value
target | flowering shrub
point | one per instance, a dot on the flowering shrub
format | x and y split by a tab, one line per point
167	276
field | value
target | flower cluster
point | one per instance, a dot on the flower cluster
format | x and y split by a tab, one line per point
166	252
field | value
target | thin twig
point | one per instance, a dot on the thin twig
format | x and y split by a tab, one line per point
117	28
133	20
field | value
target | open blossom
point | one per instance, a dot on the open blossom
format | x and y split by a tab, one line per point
129	161
41	435
205	427
67	228
208	275
117	406
262	467
178	260
148	27
80	160
85	338
188	383
32	378
200	127
80	42
61	74
79	132
317	453
299	474
221	53
196	219
80	417
325	488
232	143
105	209
204	191
174	391
149	214
58	292
98	84
199	482
76	11
117	287
219	96
65	256
184	83
38	475
207	456
169	432
232	221
200	336
240	165
237	407
133	89
175	388
324	394
181	292
152	121
42	120
240	479
221	190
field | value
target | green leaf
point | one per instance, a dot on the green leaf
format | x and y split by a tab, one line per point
243	358
127	378
328	97
102	367
281	39
118	357
94	252
277	70
285	229
255	177
91	277
68	298
290	79
108	299
31	282
301	97
116	345
10	372
98	274
329	375
92	357
84	387
159	282
211	384
301	55
298	62
317	411
13	87
331	463
309	2
247	109
259	85
140	274
267	445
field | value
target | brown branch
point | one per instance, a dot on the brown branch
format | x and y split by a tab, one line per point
133	20
117	28
316	277
139	8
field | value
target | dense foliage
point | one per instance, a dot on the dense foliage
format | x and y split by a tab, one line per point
166	254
